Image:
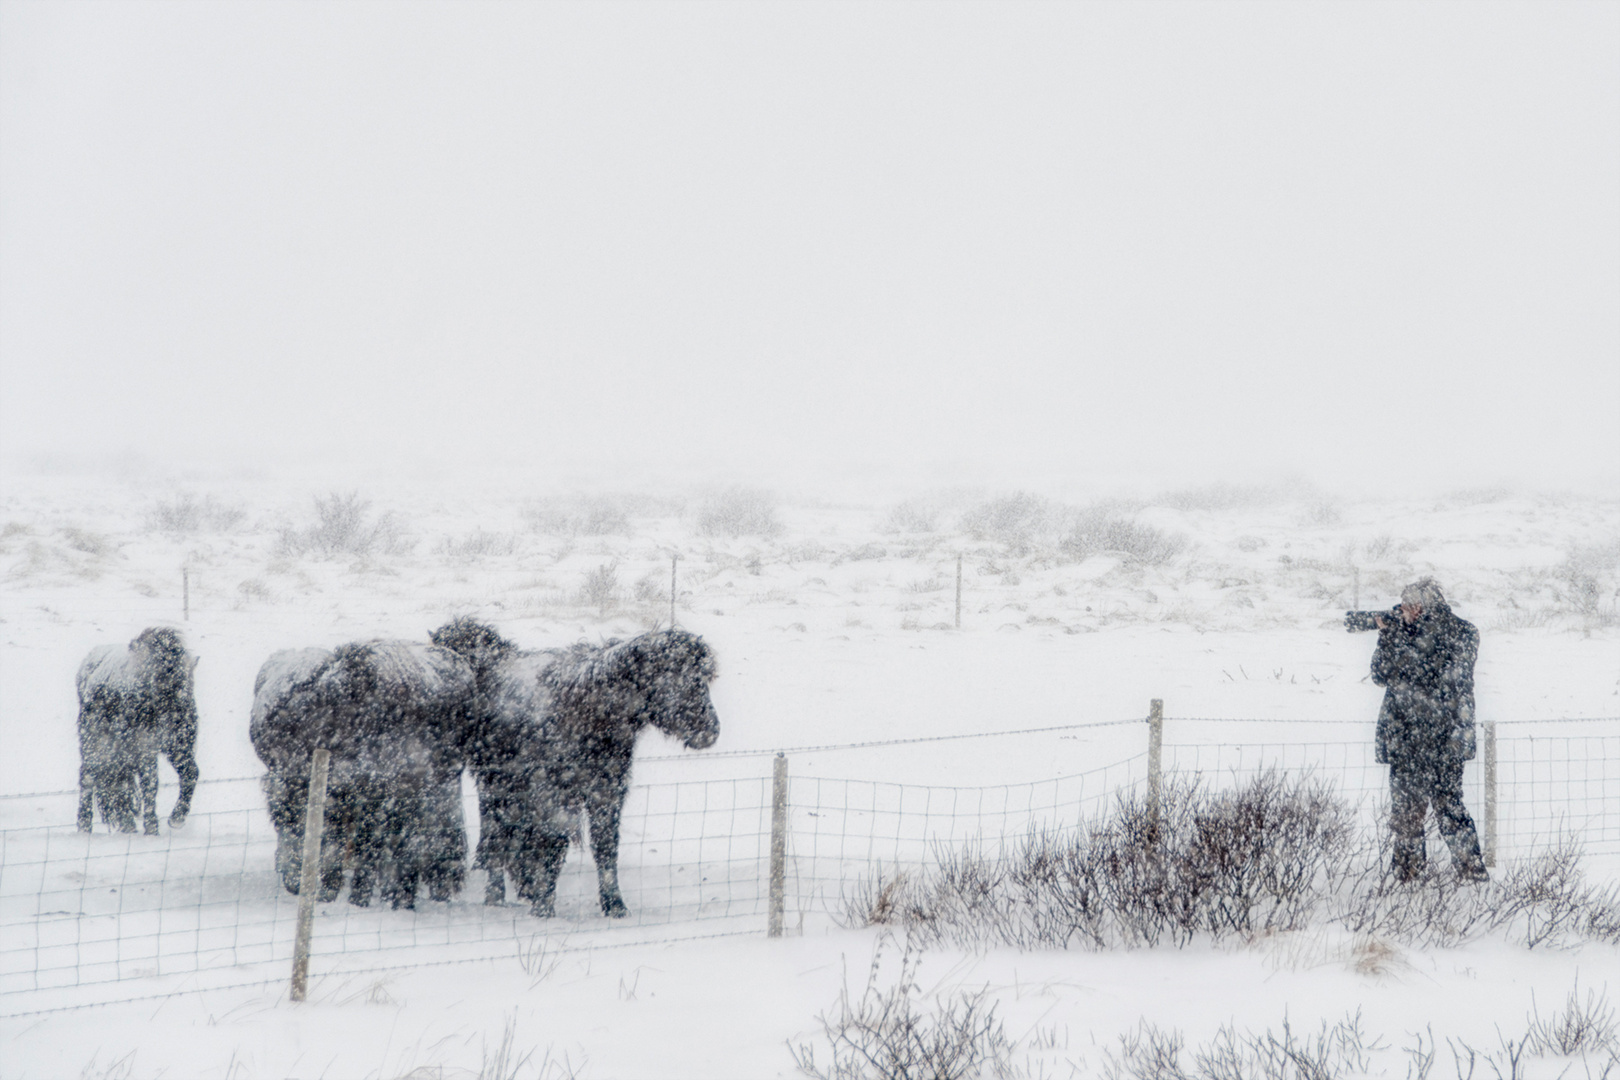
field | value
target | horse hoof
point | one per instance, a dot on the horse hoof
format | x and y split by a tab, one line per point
177	819
495	896
544	909
614	909
359	900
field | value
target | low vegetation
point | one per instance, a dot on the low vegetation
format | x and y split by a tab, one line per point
1276	855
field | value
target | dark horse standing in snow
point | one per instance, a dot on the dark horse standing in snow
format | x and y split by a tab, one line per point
393	716
553	733
134	702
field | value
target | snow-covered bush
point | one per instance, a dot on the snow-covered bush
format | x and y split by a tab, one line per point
889	1033
1097	530
1278	854
737	512
1017	520
344	526
185	513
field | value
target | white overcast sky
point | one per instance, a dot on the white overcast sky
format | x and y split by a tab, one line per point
1175	241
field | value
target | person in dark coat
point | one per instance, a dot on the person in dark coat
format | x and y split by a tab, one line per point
1425	662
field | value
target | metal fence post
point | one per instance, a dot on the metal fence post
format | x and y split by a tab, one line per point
778	845
1155	761
310	884
1490	793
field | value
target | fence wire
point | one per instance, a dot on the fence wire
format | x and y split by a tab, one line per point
91	917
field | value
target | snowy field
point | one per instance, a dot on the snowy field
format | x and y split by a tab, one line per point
835	620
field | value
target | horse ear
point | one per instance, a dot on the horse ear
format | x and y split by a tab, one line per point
194	661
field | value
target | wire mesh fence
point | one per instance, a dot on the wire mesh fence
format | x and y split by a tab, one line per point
93	917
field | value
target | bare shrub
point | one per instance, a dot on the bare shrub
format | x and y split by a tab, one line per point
1015	520
1589	584
1581	1027
1274	855
1150	1053
1224	496
478	544
344	526
185	513
601	588
887	1034
650	588
90	543
584	515
737	512
1244	862
1097	531
911	516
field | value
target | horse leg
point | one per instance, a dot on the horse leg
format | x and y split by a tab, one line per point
495	889
87	795
146	775
115	791
604	815
549	851
184	761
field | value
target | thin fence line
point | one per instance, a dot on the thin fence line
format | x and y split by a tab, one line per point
347	972
886	742
710	755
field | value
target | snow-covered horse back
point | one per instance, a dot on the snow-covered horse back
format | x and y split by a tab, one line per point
393	716
135	701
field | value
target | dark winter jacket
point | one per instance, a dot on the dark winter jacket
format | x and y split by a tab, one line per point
1427	670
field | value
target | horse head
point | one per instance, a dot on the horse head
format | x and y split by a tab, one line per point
475	642
674	669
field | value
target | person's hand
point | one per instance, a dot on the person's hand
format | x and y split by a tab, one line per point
1378	621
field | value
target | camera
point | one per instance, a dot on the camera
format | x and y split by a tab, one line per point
1358	621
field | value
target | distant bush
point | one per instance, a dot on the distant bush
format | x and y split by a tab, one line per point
911	516
582	515
344	526
478	544
1016	520
1097	531
737	512
601	588
90	543
1590	584
1230	496
186	513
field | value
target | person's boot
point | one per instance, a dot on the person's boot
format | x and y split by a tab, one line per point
1466	858
1407	863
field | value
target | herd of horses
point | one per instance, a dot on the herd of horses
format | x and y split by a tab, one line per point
547	735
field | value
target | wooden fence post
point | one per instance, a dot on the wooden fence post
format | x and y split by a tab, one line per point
310	884
778	846
1155	762
1490	793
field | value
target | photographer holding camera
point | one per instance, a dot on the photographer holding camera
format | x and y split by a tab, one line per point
1425	661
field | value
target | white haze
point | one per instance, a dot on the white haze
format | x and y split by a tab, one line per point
1368	244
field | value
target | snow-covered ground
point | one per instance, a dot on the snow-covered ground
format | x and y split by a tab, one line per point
834	619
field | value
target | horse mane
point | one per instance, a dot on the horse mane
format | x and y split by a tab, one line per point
638	661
